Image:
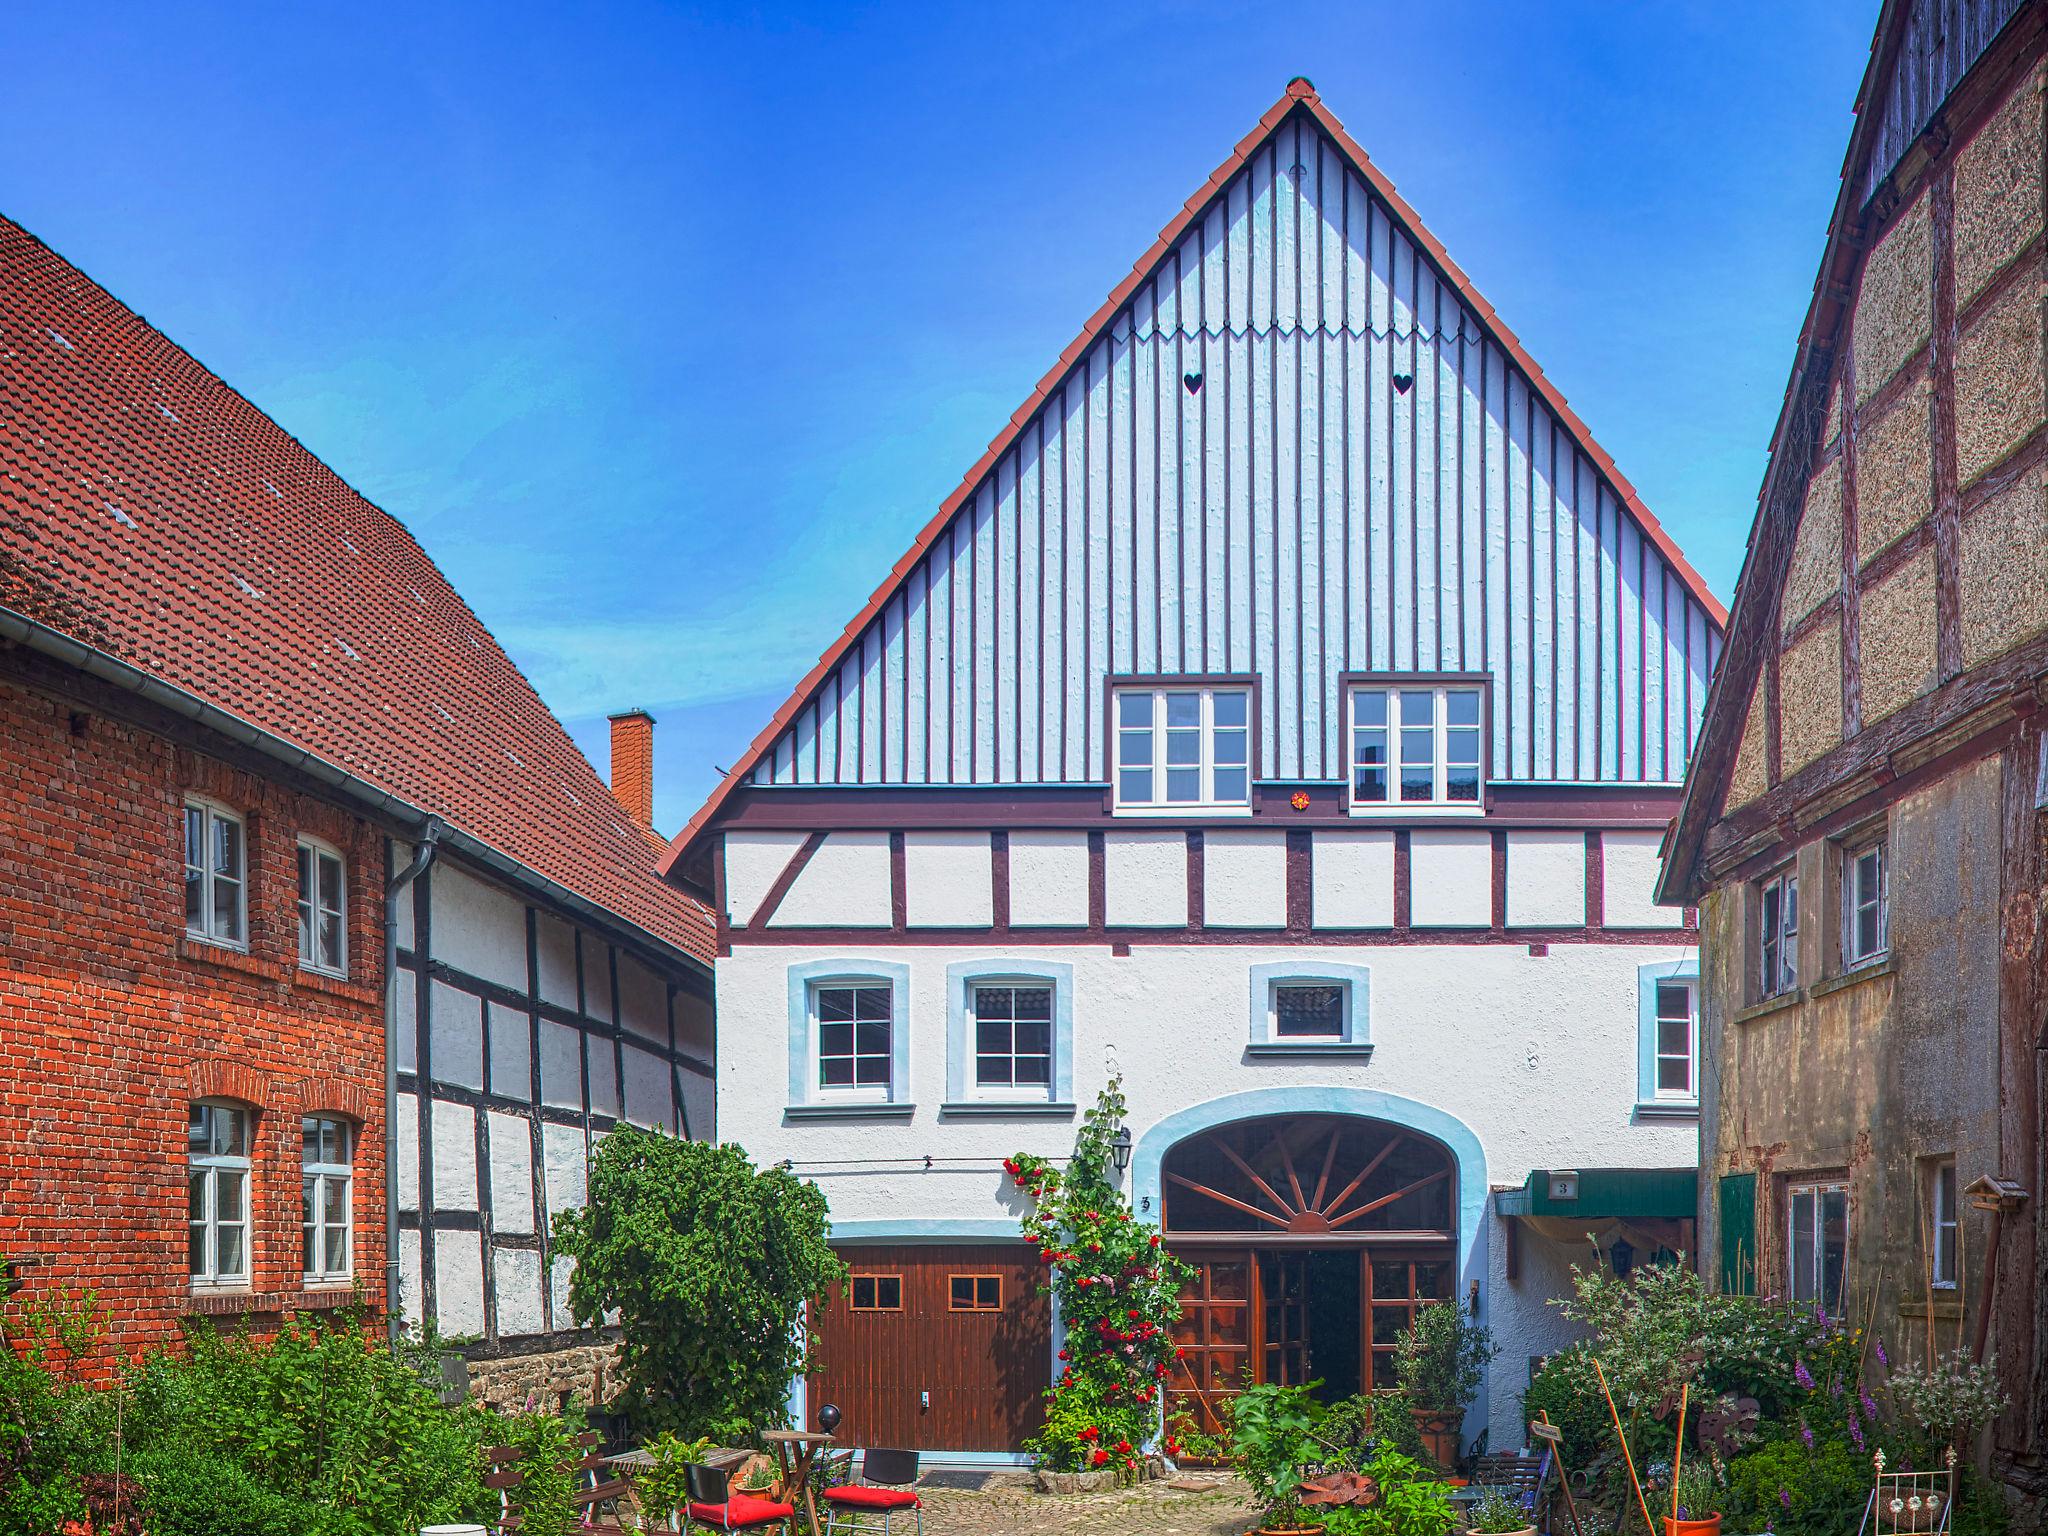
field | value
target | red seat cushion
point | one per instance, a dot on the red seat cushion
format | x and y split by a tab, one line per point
742	1509
871	1498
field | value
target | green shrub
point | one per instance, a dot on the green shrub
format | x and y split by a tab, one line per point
1412	1501
1565	1389
545	1499
189	1492
664	1487
1441	1356
709	1262
54	1429
1785	1488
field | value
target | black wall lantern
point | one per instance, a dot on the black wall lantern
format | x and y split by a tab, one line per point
1623	1253
1120	1148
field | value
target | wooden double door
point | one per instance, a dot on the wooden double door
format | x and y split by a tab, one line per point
1296	1315
934	1347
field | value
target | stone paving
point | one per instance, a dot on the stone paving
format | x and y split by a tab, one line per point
1011	1507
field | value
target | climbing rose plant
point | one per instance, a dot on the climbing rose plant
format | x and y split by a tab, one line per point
1118	1292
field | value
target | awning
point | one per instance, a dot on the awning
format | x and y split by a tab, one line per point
1605	1194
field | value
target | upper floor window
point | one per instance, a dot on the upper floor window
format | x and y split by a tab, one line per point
1415	745
1778	934
1013	1037
1817	1246
1310	1007
217	1193
216	880
1667	1040
1865	928
326	1222
855	1036
323	909
1942	1225
1183	748
1308	1010
1677	1043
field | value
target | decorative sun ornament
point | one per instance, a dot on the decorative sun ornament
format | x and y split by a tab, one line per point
1299	799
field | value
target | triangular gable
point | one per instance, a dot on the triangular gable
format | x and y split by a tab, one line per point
916	690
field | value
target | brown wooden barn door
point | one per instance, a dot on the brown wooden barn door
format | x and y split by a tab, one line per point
934	1348
1213	1336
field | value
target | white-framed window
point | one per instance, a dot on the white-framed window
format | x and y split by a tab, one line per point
323	908
1013	1036
1308	1010
1183	747
1817	1242
1943	1228
1677	1044
326	1198
217	1193
1865	925
1777	908
855	1034
216	874
1416	745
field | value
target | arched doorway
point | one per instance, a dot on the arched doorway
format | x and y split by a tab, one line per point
1315	1238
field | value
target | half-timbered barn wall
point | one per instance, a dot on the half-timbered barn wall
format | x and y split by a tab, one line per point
1294	451
521	1039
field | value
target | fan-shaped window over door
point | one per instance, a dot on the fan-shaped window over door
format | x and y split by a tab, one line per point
1324	1177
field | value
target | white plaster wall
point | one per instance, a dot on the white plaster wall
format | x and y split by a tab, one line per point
1546	879
456	1034
597	978
753	861
845	885
1048	879
1353	880
1630	864
454	1156
1485	1032
406	1021
555	946
511	1145
511	1052
564	1175
410	1304
650	1097
643	1000
1450	876
519	1299
478	927
459	1282
406	1148
1145	879
1523	1322
947	880
561	1065
1244	880
563	1270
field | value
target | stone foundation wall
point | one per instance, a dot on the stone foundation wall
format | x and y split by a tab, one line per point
583	1374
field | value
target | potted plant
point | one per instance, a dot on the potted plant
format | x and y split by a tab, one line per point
1496	1514
1696	1499
1439	1360
1272	1432
1192	1446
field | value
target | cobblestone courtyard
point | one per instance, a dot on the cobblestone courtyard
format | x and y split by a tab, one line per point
1007	1506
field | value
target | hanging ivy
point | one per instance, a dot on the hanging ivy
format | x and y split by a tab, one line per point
1118	1292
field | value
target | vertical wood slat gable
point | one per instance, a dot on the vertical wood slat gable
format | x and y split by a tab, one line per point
1296	515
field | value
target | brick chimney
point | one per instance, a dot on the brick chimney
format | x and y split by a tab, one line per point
633	764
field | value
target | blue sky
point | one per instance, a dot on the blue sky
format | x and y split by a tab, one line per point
664	328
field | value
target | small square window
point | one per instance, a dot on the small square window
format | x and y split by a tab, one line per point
877	1293
1308	1011
977	1293
855	1036
1013	1027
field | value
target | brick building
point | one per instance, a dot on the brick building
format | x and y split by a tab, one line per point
1862	827
302	889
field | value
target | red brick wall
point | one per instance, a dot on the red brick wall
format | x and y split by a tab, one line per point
111	1020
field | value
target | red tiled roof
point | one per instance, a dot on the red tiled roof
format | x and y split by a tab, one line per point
150	511
1300	95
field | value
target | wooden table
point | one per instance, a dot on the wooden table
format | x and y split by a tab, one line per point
795	1450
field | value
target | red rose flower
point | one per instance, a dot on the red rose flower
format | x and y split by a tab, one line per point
1101	1457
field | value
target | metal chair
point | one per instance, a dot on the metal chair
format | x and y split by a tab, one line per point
714	1505
884	1489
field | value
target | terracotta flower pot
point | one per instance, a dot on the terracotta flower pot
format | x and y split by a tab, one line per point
1289	1530
1711	1526
1439	1431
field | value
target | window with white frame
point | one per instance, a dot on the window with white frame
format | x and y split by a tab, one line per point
323	909
1817	1242
1416	745
1183	748
1308	1010
1943	1228
1865	929
216	879
217	1194
855	1036
1677	1042
1013	1027
326	1222
1777	909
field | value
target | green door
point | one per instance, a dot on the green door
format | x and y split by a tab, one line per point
1737	1208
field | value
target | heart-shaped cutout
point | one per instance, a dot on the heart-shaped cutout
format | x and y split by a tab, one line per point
1403	382
1192	381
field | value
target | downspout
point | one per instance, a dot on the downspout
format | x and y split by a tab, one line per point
423	855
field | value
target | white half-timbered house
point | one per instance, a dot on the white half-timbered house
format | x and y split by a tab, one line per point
1284	713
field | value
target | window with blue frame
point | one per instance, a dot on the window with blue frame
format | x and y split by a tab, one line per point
849	1038
1009	1037
1307	1007
1668	1039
